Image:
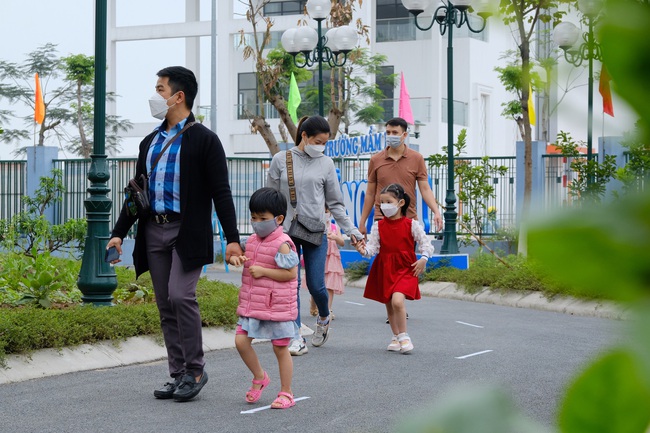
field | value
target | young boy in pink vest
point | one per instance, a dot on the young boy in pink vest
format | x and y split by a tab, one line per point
268	295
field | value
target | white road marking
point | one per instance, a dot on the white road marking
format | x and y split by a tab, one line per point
354	303
473	354
257	409
468	324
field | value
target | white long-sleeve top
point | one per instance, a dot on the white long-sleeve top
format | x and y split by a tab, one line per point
424	244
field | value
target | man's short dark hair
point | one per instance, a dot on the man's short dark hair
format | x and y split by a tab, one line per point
398	121
181	80
268	200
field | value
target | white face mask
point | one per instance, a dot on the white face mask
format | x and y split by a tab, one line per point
315	150
158	106
388	209
393	140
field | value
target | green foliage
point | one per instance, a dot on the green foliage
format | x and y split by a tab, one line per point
68	105
611	242
485	270
475	186
30	328
370	114
32	234
357	270
41	280
636	172
600	172
623	38
608	397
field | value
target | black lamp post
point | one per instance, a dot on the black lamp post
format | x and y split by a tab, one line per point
319	48
447	16
566	35
97	279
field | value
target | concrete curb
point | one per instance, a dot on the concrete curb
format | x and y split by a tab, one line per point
106	354
524	299
110	354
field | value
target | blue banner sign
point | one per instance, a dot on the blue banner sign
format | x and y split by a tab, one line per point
345	146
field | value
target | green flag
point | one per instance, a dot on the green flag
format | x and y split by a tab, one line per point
294	99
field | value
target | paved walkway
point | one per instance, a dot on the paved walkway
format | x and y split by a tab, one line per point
111	354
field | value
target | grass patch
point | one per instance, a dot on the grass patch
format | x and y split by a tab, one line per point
486	271
27	328
357	270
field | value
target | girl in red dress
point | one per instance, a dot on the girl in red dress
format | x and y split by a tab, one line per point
394	273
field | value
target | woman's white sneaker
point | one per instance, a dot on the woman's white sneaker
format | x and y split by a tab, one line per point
298	347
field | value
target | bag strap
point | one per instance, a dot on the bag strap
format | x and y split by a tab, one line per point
292	185
155	162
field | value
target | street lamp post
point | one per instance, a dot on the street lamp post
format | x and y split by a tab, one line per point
319	48
97	279
447	16
566	36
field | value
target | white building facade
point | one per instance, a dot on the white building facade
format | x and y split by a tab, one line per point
138	49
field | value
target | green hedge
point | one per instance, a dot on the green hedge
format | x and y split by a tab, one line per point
28	328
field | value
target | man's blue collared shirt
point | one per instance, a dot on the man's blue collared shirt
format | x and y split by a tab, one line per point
164	183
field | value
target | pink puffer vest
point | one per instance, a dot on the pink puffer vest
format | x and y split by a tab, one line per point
264	298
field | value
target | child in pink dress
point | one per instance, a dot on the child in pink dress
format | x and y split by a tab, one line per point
333	266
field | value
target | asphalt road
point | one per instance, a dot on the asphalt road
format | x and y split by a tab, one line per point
351	384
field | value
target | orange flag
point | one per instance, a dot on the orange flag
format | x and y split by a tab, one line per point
39	105
605	91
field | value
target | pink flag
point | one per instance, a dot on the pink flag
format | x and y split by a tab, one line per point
405	111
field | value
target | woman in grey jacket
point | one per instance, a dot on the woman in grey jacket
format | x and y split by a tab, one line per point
316	184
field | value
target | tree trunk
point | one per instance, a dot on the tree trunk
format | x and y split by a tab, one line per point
260	125
280	105
528	159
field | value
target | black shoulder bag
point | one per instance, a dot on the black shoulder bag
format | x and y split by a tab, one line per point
305	229
136	193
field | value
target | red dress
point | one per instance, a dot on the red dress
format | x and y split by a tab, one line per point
391	271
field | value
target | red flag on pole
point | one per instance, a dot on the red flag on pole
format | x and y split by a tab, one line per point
39	105
405	111
605	91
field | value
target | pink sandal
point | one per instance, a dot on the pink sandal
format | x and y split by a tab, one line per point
253	395
284	401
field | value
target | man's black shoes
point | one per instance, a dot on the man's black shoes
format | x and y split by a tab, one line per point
189	387
167	390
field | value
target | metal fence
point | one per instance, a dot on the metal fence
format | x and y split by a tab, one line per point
249	174
504	191
13	186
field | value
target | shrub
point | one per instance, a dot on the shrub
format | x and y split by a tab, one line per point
357	270
27	328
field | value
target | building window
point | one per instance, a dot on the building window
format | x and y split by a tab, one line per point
394	22
460	112
476	23
387	88
274	41
247	105
387	9
276	8
246	95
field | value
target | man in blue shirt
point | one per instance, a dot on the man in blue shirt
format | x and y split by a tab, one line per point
187	174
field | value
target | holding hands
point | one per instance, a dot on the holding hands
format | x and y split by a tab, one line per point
256	271
237	260
420	266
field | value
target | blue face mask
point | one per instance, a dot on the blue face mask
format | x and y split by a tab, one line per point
264	228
